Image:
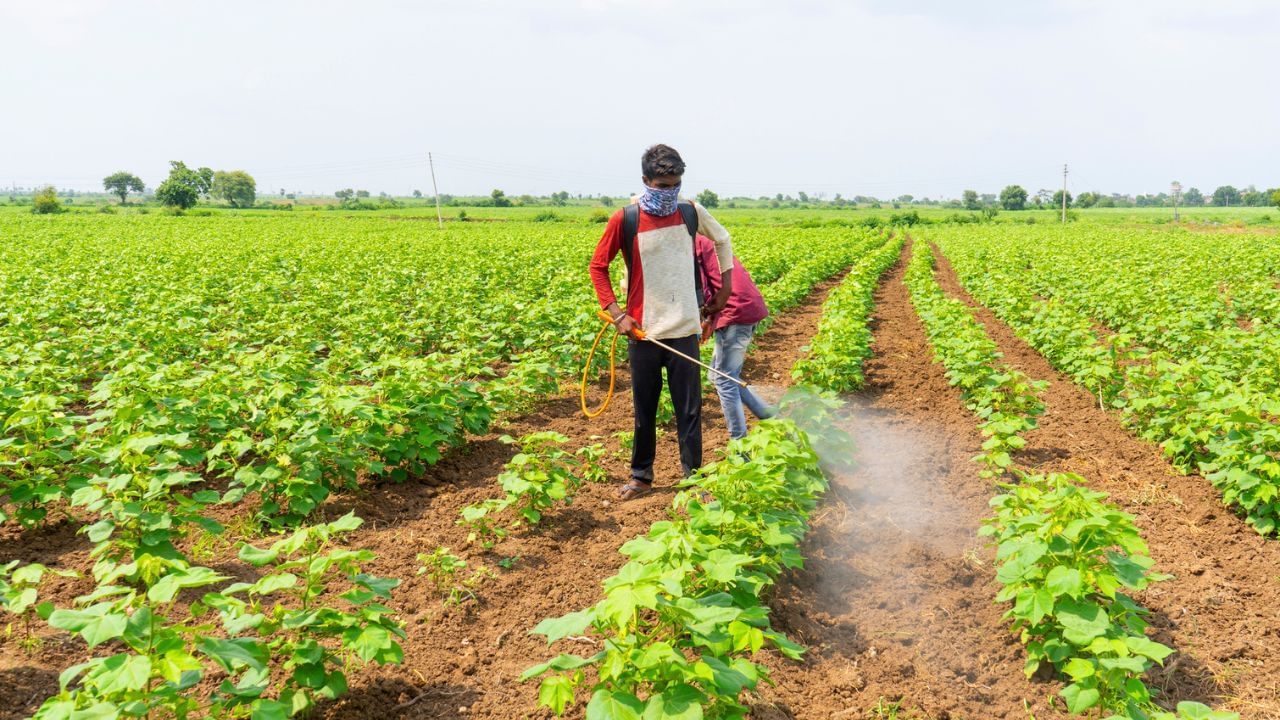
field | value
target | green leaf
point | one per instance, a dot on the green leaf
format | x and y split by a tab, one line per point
1063	580
371	640
607	705
1188	710
346	523
96	624
168	586
122	674
563	661
381	587
265	709
1081	621
722	566
1078	669
1079	698
256	557
575	623
97	711
1148	648
271	583
1134	664
556	692
682	702
234	653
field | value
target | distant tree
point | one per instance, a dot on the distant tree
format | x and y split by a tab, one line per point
804	197
708	199
200	179
778	197
1057	199
123	183
1252	197
237	187
906	198
184	186
362	193
1087	199
1106	201
175	193
970	200
1226	196
282	192
1275	197
559	198
1193	197
606	201
345	195
1013	197
45	201
417	193
500	198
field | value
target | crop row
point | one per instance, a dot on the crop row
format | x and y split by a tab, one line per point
682	619
1065	556
1211	396
843	341
270	648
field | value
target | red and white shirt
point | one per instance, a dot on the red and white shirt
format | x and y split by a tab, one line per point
661	296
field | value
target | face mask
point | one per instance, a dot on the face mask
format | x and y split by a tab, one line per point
660	202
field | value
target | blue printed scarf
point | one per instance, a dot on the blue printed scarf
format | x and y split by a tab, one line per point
660	202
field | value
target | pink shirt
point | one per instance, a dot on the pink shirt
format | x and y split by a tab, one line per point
746	304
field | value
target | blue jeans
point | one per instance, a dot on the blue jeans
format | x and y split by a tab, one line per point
730	351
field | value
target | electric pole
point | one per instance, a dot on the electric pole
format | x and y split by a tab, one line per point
1177	195
1064	193
439	217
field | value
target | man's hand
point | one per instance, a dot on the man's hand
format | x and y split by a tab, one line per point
706	331
627	326
624	323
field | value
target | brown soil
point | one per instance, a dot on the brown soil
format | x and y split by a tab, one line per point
1221	611
460	660
895	602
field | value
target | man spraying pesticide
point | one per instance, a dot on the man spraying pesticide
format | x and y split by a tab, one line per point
663	319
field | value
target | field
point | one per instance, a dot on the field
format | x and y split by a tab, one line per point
259	464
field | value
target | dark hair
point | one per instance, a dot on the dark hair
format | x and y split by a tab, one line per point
661	160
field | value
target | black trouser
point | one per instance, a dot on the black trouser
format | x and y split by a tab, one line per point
684	379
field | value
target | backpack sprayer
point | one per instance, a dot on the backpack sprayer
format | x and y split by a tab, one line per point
613	351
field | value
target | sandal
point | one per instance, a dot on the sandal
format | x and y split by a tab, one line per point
634	489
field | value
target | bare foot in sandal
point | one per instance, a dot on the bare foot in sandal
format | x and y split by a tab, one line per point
635	489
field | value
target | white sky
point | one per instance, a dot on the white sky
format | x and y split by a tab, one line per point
760	96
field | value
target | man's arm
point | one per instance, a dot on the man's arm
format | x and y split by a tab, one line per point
708	226
606	250
710	265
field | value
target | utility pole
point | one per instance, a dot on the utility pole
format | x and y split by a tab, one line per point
1177	195
1064	193
439	217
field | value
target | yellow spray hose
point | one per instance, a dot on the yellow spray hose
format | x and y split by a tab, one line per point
613	373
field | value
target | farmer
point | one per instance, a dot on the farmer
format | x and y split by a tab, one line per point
734	327
656	239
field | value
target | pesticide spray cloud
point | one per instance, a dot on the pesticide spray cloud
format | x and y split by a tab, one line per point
890	534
